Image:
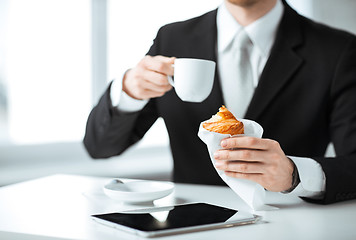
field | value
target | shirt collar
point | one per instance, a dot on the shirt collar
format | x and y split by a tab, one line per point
262	32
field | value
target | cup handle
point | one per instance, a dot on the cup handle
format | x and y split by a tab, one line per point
170	80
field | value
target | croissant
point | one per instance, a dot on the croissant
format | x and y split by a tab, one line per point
224	122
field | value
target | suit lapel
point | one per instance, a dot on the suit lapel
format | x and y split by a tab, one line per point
205	36
281	65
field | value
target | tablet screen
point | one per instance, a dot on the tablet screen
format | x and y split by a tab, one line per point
180	216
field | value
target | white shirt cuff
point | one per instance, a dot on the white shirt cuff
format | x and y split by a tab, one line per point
123	101
312	178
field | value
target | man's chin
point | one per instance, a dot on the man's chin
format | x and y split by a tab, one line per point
244	3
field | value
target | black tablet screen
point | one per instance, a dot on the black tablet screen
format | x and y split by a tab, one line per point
176	217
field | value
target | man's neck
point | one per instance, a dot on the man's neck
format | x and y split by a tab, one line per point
246	14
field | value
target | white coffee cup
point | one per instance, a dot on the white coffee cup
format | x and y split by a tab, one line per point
193	78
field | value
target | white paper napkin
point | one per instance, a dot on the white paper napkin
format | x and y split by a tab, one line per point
252	193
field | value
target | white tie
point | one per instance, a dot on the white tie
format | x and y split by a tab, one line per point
239	75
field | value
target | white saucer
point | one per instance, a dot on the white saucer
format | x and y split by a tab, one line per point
138	190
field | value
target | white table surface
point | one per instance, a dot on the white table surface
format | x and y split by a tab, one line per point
59	207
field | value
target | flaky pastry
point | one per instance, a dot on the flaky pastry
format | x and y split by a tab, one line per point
224	122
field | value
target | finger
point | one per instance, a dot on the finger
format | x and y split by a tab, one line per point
148	93
159	64
156	78
239	166
142	89
240	154
169	60
143	79
156	88
248	142
256	177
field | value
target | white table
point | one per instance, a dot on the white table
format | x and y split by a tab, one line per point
59	207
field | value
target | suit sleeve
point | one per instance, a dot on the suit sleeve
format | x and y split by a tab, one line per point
340	171
110	132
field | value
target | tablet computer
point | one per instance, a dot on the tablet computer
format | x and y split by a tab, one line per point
159	221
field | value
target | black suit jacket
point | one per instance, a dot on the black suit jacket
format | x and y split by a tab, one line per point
306	98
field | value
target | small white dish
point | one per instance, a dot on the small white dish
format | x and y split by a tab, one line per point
137	190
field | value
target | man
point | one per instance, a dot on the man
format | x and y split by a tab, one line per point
304	97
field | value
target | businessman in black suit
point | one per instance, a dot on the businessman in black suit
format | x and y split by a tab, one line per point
305	98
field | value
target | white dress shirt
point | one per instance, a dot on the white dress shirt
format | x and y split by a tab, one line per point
262	33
